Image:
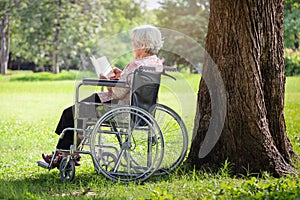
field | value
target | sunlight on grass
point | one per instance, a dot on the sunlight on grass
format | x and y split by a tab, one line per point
30	112
33	101
292	110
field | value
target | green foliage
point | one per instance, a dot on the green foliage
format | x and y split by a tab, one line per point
189	17
56	32
115	41
122	16
263	188
186	16
64	33
292	24
291	37
122	61
43	76
292	62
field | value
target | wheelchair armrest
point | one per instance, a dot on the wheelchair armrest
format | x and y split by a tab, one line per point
165	69
100	82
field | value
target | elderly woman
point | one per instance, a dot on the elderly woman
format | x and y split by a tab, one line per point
146	43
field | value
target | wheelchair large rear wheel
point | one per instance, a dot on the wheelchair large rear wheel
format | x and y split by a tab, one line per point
127	144
175	137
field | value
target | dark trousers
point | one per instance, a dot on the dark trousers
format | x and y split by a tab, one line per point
67	120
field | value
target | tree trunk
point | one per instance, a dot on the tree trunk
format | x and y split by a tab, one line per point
55	59
5	44
245	40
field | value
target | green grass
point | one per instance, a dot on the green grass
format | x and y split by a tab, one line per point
30	110
292	111
47	76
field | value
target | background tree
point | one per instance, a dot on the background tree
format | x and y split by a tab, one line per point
60	34
291	37
292	24
245	40
189	17
8	10
55	33
122	16
5	42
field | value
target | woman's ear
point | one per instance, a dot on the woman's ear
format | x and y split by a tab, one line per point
143	45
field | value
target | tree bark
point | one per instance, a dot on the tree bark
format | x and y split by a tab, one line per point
245	40
272	70
5	44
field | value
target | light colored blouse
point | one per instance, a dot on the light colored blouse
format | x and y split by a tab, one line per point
123	94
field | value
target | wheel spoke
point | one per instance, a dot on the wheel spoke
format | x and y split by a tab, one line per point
128	140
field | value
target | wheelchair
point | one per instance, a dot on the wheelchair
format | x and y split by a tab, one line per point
127	143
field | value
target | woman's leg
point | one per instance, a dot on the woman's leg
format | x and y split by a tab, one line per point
67	120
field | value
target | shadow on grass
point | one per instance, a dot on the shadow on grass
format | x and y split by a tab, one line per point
90	185
48	185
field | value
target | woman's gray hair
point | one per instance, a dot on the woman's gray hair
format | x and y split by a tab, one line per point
149	36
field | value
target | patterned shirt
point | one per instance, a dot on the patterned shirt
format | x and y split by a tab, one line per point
123	94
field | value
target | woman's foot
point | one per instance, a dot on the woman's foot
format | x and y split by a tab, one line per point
47	158
56	161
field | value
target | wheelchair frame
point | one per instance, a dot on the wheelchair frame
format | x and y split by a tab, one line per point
127	143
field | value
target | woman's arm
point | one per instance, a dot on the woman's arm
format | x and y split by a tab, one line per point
125	75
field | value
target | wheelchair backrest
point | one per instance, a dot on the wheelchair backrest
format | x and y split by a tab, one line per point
145	87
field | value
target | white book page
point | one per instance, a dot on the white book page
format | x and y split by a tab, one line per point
102	66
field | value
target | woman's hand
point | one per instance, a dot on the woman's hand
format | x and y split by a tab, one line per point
117	73
103	77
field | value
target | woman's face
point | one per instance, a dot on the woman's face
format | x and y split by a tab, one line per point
139	53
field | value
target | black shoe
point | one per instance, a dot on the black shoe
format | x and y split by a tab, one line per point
47	158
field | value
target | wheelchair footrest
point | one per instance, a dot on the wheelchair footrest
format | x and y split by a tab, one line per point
43	164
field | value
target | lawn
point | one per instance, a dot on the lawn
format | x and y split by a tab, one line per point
30	111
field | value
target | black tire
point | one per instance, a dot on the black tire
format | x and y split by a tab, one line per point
133	142
175	137
67	169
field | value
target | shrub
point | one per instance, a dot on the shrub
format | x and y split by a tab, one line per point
48	76
292	62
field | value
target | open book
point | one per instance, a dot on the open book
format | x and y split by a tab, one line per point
102	66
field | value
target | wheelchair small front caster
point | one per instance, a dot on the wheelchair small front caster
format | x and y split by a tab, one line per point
109	160
67	169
